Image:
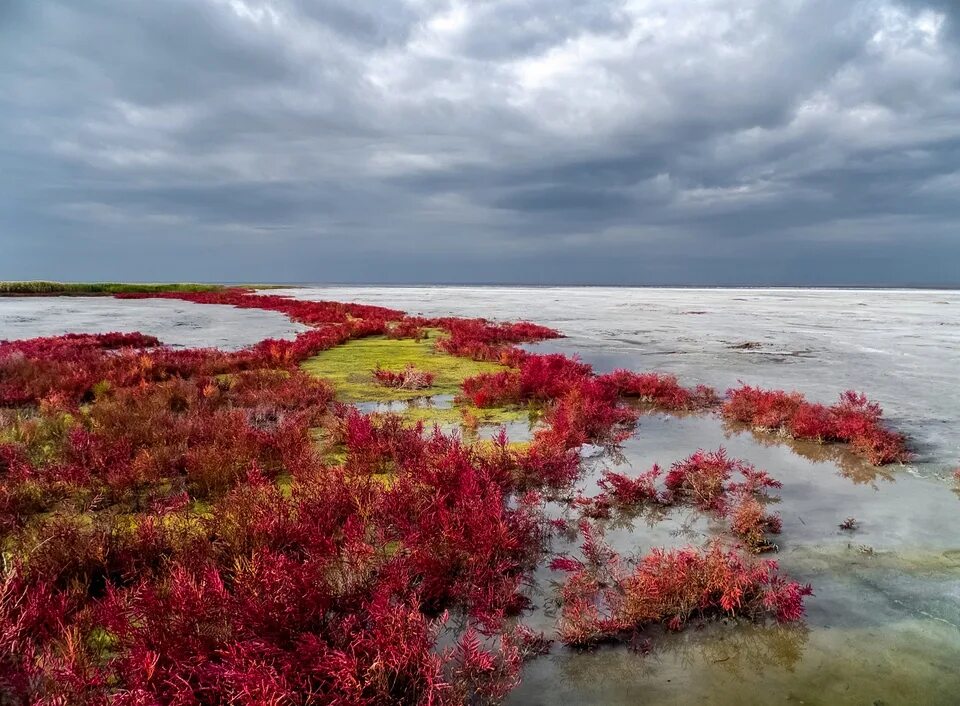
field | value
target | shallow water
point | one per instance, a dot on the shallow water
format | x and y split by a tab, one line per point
177	323
883	627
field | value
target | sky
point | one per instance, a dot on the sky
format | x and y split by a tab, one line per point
645	142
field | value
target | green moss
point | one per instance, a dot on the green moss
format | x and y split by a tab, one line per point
284	483
102	643
458	414
489	445
201	508
42	436
350	368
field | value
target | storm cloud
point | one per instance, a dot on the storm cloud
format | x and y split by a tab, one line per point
542	141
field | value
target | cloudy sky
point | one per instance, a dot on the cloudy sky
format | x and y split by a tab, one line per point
541	141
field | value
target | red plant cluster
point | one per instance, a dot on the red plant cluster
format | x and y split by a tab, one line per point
606	598
410	378
176	536
663	391
409	327
632	491
854	420
481	340
332	591
540	378
704	480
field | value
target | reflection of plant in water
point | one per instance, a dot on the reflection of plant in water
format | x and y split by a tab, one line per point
849	464
706	481
741	648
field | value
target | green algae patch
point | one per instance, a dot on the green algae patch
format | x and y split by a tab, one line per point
487	445
349	368
284	483
465	415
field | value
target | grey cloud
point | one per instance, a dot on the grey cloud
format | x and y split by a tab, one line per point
669	141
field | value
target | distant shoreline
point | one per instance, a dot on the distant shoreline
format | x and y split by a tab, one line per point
51	288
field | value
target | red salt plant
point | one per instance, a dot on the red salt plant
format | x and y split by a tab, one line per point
546	463
493	389
409	327
621	492
410	378
663	391
482	340
312	313
702	478
596	508
529	644
628	491
540	378
231	564
750	523
854	420
588	412
482	675
613	600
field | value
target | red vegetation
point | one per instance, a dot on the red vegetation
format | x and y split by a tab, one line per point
606	598
176	534
540	378
409	327
312	313
482	340
852	420
632	491
703	479
410	378
750	523
664	391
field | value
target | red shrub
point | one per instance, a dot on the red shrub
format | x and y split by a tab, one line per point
611	600
482	340
750	524
493	389
853	420
409	327
631	491
178	537
664	391
410	378
702	478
